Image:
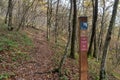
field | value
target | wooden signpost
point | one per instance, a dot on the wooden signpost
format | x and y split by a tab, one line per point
83	48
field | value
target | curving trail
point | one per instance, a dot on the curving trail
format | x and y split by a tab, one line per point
41	60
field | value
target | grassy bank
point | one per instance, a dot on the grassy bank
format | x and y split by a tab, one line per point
14	50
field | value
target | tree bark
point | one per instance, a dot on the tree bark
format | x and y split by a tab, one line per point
6	18
56	21
68	42
10	8
49	16
107	41
72	54
95	14
100	39
48	20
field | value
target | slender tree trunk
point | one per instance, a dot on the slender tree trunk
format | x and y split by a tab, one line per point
48	20
93	31
95	13
56	21
118	35
6	17
70	18
107	41
10	8
69	36
95	47
100	39
72	53
49	16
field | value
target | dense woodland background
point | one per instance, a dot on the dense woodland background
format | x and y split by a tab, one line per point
39	39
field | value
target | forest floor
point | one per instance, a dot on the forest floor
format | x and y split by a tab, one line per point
19	61
44	56
43	59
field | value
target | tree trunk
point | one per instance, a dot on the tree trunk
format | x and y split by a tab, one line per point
49	16
95	47
118	35
48	20
56	21
72	54
100	39
6	18
10	8
95	14
107	41
68	42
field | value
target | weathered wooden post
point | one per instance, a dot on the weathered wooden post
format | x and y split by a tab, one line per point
83	48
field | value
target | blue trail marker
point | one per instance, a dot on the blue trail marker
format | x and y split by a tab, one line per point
83	25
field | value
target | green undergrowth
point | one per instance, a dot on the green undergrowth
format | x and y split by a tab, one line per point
116	75
94	67
6	75
14	49
13	39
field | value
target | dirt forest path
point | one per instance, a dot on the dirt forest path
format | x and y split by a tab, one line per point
41	60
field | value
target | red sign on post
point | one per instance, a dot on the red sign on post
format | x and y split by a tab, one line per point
83	43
